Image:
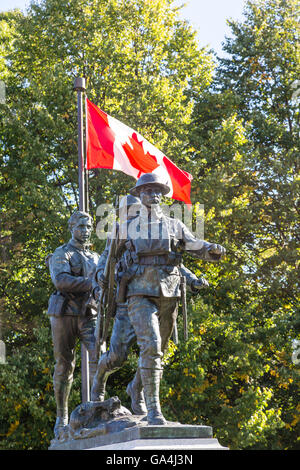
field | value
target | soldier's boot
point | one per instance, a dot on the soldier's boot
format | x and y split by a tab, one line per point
61	393
100	379
151	379
135	391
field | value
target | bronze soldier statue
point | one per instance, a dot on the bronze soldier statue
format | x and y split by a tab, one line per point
154	245
72	309
123	334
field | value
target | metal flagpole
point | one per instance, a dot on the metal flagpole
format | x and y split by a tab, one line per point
79	86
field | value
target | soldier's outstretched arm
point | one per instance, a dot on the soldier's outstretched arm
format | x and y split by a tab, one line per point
199	248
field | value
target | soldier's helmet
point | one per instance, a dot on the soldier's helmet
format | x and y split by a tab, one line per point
147	179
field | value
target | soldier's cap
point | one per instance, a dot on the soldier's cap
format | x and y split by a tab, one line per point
76	216
147	179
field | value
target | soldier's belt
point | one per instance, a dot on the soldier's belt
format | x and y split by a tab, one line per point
158	260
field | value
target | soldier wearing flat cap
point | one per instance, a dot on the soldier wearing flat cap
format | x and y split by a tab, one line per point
72	309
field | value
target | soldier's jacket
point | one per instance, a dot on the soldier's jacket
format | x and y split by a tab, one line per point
156	253
72	269
153	260
123	266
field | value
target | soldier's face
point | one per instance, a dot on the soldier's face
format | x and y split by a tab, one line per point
150	195
81	232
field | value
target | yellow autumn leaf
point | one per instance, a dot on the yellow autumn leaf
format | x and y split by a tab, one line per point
13	427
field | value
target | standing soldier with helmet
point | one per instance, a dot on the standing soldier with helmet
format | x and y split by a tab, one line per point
123	335
154	246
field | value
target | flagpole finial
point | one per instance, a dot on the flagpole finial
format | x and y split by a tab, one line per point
79	84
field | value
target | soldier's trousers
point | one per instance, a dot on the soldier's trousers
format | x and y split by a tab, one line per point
160	314
65	331
153	320
122	338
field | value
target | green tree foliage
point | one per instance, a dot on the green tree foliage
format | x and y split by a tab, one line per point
236	131
27	399
245	154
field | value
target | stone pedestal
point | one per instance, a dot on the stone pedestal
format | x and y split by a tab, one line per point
109	426
172	436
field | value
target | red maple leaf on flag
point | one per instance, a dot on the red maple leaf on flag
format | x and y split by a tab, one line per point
144	162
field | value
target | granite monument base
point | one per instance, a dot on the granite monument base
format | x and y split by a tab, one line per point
109	426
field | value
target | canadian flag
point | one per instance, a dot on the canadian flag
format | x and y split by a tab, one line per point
111	144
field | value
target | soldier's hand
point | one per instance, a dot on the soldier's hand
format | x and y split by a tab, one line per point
102	282
216	249
200	283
